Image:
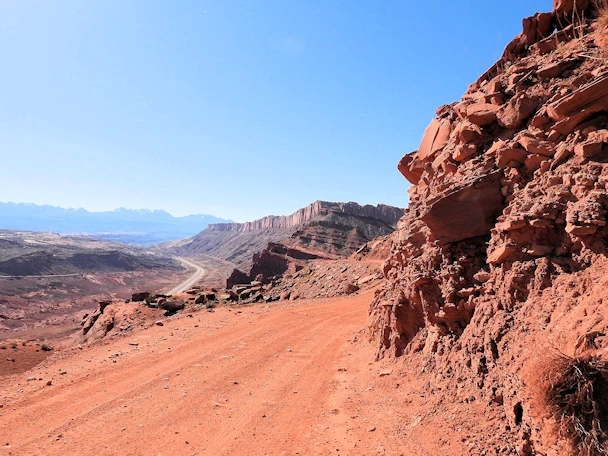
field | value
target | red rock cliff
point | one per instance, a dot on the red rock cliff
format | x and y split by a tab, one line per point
507	215
389	214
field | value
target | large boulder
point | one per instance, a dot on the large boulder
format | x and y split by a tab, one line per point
140	296
435	138
171	307
465	211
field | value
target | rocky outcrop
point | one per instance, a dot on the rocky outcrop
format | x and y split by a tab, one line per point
470	208
119	317
322	227
330	235
387	214
140	296
97	325
275	260
508	203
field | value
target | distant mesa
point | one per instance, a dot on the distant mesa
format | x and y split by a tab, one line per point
387	214
29	253
274	245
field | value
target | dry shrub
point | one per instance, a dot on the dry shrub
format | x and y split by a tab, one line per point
603	17
601	12
575	392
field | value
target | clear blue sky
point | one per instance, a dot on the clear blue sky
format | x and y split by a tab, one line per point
234	108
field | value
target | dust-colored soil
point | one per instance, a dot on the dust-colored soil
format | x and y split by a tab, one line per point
288	379
19	356
52	308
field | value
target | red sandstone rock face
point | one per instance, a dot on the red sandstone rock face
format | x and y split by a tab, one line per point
503	213
566	8
471	210
113	318
274	261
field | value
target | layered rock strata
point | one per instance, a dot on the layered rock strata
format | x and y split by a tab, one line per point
388	214
330	235
326	227
508	203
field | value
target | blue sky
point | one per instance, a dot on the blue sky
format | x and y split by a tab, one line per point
234	108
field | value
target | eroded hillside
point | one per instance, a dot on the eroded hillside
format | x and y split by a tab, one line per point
495	277
47	279
326	227
274	245
27	253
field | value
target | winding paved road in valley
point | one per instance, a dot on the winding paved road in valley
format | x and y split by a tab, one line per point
199	273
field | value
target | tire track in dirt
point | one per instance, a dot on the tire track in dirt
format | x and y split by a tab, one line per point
130	394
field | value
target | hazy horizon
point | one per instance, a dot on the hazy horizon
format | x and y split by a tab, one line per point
115	209
233	218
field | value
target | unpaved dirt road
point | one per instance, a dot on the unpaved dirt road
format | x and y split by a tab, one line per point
233	383
284	379
198	274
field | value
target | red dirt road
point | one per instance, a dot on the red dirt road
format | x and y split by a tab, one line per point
281	379
248	383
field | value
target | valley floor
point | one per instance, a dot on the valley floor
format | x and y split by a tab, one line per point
282	379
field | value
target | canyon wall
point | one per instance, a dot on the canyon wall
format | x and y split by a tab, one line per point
329	235
334	228
388	214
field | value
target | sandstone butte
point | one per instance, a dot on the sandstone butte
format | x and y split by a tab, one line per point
489	331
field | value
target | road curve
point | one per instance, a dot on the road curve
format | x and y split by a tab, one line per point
199	273
247	384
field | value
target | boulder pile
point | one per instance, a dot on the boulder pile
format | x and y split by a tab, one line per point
313	279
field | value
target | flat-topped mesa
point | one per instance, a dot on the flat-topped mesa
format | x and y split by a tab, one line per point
327	227
388	214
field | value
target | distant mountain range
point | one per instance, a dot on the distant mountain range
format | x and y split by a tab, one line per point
132	226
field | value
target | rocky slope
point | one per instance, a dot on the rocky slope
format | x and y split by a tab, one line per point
280	244
315	279
494	281
336	231
25	253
